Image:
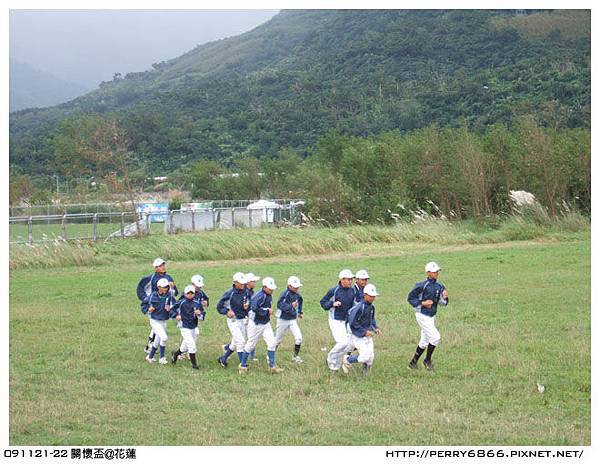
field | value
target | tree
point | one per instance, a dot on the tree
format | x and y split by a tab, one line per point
95	145
20	187
202	177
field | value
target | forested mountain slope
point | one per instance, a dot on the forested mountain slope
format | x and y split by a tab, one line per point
285	83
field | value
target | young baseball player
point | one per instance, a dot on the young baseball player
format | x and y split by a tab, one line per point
361	320
251	280
289	309
158	305
362	279
147	285
424	298
234	304
202	298
187	312
338	300
260	324
200	295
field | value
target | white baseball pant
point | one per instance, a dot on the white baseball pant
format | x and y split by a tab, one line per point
429	333
366	349
283	325
340	335
237	327
254	333
189	340
160	330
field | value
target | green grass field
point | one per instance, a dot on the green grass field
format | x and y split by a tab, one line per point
519	315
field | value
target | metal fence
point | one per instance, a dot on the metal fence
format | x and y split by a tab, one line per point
123	224
84	208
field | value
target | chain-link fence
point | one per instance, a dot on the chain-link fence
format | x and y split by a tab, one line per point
122	224
60	209
84	208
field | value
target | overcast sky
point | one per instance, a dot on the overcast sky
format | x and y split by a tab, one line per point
89	46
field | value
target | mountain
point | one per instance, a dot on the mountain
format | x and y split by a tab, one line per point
287	82
33	88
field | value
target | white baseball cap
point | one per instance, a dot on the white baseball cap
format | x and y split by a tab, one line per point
294	281
345	274
189	288
158	262
198	280
362	274
162	282
269	283
432	266
371	290
240	277
250	277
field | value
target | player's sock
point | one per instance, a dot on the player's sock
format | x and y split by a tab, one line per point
152	352
271	355
162	351
240	355
353	359
297	350
244	358
227	353
252	354
430	349
418	354
365	368
193	360
175	356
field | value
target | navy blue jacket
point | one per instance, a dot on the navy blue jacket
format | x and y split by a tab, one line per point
234	299
284	305
360	293
338	293
429	289
362	318
185	308
260	304
147	285
156	277
200	296
159	302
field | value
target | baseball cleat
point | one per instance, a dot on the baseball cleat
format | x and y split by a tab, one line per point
276	370
195	367
242	370
163	361
173	357
412	365
345	364
297	359
222	362
149	359
428	365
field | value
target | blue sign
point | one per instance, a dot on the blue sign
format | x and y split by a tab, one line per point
157	212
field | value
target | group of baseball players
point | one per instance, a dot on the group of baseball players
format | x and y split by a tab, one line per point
248	315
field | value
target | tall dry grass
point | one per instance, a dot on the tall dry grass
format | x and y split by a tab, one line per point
267	242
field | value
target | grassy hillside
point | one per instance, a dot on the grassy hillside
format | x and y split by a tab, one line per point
519	315
287	82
